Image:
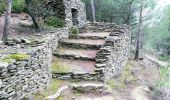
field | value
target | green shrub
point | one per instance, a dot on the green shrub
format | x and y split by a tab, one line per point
55	22
18	6
164	57
163	82
2	7
74	30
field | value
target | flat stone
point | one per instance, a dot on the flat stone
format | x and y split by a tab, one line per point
3	65
85	41
96	98
76	66
1	83
99	34
77	53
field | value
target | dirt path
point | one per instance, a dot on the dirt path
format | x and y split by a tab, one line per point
136	74
161	63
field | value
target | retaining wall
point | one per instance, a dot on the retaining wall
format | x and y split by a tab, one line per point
21	77
114	54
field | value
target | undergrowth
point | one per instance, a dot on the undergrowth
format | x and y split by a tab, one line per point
74	30
54	22
163	84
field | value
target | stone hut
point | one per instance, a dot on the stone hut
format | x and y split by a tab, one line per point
73	12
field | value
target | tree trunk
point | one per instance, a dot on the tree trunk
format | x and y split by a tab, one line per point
138	38
30	12
93	11
7	21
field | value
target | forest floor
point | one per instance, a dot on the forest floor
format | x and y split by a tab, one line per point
19	24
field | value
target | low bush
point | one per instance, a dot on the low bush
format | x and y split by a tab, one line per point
18	6
163	84
54	21
2	7
74	30
164	57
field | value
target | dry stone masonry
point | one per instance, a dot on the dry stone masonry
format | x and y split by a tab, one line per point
108	45
72	12
25	62
24	68
75	13
114	54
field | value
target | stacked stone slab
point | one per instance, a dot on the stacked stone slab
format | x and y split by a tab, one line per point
76	46
114	54
19	78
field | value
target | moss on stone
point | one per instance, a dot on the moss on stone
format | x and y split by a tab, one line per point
7	60
58	68
19	56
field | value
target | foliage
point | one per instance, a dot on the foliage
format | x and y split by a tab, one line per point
2	7
163	82
74	30
18	6
164	57
55	22
157	34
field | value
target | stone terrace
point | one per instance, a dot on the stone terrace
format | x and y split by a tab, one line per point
78	54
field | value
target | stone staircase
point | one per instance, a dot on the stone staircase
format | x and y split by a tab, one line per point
75	57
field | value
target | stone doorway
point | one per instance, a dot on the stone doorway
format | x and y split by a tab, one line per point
74	16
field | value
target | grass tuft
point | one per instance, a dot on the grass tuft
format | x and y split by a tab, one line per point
58	68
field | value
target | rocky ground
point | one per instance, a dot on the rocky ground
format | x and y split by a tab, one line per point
135	80
19	24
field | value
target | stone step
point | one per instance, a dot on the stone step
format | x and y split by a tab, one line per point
60	65
76	54
89	91
94	36
82	43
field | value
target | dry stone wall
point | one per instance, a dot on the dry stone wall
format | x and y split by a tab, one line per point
114	54
98	27
21	77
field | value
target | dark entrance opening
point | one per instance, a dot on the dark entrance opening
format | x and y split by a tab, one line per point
74	16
